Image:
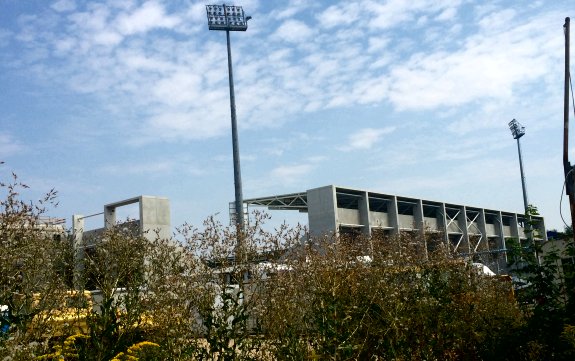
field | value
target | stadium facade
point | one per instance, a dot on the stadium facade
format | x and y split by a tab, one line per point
468	230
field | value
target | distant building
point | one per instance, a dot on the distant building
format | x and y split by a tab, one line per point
468	230
50	225
153	222
154	216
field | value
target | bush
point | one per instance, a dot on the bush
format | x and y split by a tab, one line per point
214	293
392	304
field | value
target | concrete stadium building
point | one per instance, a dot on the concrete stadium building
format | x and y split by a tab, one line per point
154	219
468	230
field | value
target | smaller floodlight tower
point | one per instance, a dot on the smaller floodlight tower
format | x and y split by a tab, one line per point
517	130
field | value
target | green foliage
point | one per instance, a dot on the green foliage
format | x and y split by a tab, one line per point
33	258
226	326
116	269
547	298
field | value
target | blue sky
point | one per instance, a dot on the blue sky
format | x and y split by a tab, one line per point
108	99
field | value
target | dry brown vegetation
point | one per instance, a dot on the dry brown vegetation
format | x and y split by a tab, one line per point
276	295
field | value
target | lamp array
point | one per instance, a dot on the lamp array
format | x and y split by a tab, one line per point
226	17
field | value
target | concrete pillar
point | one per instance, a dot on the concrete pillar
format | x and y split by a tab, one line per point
364	214
77	229
515	228
322	211
462	223
155	217
482	228
109	216
442	223
418	217
501	235
541	228
78	248
393	214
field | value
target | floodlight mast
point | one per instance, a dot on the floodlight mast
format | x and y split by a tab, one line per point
231	18
517	130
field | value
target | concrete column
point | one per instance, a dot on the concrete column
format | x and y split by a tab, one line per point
442	222
393	214
501	234
78	248
322	211
541	228
364	214
155	217
109	216
77	229
515	228
418	217
482	227
462	222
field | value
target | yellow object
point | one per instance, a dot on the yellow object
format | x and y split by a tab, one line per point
69	318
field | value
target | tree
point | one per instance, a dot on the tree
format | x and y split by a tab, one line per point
547	297
34	258
340	300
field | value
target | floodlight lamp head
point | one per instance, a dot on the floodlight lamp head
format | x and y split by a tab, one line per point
517	130
226	17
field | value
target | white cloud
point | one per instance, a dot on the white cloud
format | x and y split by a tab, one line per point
293	31
93	19
489	66
391	13
149	16
366	138
377	44
137	61
107	38
447	14
291	171
64	5
497	20
289	175
180	88
460	175
142	168
8	146
292	8
340	15
286	177
180	82
159	167
190	125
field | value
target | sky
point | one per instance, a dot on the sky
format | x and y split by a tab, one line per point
106	100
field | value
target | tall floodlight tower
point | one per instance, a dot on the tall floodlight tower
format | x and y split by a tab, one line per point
231	18
517	130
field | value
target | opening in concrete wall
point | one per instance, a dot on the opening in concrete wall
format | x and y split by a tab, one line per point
405	208
347	200
377	204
